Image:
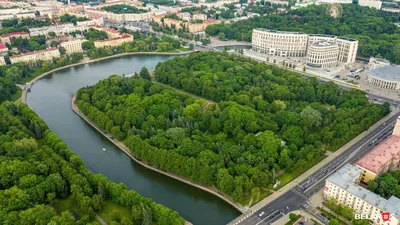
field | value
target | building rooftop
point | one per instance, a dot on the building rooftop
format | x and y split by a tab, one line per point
279	32
322	35
347	39
389	73
2	46
13	34
323	44
116	38
33	53
382	154
346	178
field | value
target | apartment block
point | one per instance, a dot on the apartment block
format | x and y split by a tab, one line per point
32	57
343	186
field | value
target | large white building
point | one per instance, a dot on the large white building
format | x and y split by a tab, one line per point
2	61
280	43
371	3
118	18
343	186
32	57
322	54
297	44
348	48
387	77
73	46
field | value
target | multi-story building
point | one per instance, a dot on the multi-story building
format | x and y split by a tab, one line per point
371	3
348	48
296	44
8	38
377	63
312	38
280	43
3	49
111	32
199	16
385	77
118	18
25	16
32	57
384	157
117	41
59	30
73	46
322	54
184	16
343	186
2	61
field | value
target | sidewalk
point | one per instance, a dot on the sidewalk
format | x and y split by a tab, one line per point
315	168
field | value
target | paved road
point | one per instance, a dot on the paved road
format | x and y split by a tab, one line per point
300	194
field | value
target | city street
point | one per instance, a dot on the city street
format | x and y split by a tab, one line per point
298	197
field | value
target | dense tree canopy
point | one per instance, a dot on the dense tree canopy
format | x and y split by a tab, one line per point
266	119
72	19
386	185
37	169
375	29
19	73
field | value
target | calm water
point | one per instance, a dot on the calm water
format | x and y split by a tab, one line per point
50	99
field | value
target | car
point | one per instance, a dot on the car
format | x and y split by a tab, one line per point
323	215
261	214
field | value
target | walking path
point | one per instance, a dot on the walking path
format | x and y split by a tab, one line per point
126	150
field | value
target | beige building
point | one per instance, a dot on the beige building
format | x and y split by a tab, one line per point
25	16
371	3
384	157
111	32
199	16
387	77
377	63
59	30
2	61
73	46
280	43
322	54
343	186
32	57
117	41
348	48
297	44
8	38
118	18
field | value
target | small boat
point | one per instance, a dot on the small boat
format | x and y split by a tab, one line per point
104	149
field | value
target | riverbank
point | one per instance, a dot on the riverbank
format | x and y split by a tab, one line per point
34	80
126	150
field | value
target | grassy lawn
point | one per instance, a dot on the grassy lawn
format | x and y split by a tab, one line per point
245	201
17	95
288	177
65	205
331	215
285	178
294	220
111	210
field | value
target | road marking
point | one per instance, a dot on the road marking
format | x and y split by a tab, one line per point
267	217
333	171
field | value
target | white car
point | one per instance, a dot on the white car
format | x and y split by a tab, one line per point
261	214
